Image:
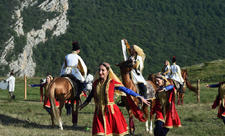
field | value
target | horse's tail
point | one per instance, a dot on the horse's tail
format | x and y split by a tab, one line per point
192	88
52	100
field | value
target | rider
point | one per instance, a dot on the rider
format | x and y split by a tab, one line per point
176	75
166	69
138	55
74	67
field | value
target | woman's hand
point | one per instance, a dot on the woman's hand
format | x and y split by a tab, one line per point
144	100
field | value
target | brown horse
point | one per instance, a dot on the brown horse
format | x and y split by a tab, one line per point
125	68
61	89
180	95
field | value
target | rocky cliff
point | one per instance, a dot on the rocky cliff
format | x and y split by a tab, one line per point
24	64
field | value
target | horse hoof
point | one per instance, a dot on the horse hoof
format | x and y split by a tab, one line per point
75	125
150	132
61	128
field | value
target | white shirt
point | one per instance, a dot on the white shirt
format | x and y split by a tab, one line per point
11	81
166	69
72	61
176	73
138	78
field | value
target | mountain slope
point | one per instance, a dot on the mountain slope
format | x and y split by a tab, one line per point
193	31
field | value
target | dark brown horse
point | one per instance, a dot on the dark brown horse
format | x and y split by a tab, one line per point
125	68
61	89
180	95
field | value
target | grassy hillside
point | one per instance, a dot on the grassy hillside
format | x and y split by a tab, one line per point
212	71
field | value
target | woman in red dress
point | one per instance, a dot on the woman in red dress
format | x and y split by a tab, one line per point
220	99
166	114
108	119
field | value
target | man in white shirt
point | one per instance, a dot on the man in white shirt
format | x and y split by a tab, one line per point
176	74
11	81
75	66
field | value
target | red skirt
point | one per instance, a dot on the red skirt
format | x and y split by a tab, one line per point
48	104
112	123
221	112
171	118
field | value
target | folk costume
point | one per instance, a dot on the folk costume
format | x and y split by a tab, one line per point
11	82
176	75
136	72
74	65
108	119
220	100
165	110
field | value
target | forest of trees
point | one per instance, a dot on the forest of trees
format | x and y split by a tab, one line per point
191	30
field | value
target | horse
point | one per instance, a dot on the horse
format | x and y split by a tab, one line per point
180	95
62	89
125	68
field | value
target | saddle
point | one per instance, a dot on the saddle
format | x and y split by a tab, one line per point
150	92
178	86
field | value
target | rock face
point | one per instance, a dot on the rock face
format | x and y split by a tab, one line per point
24	64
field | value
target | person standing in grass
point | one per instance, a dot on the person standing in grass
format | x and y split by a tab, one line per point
220	99
108	119
11	80
164	108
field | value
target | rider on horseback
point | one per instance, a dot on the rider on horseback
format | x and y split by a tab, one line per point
166	69
138	55
74	67
176	75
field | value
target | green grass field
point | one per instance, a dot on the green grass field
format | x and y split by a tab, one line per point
21	117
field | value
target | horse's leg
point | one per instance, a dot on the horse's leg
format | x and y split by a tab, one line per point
52	117
59	114
151	128
178	98
182	98
146	126
131	123
145	110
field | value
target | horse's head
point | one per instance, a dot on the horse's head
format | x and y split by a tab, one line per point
126	66
151	77
184	74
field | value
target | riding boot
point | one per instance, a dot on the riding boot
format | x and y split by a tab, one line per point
142	89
